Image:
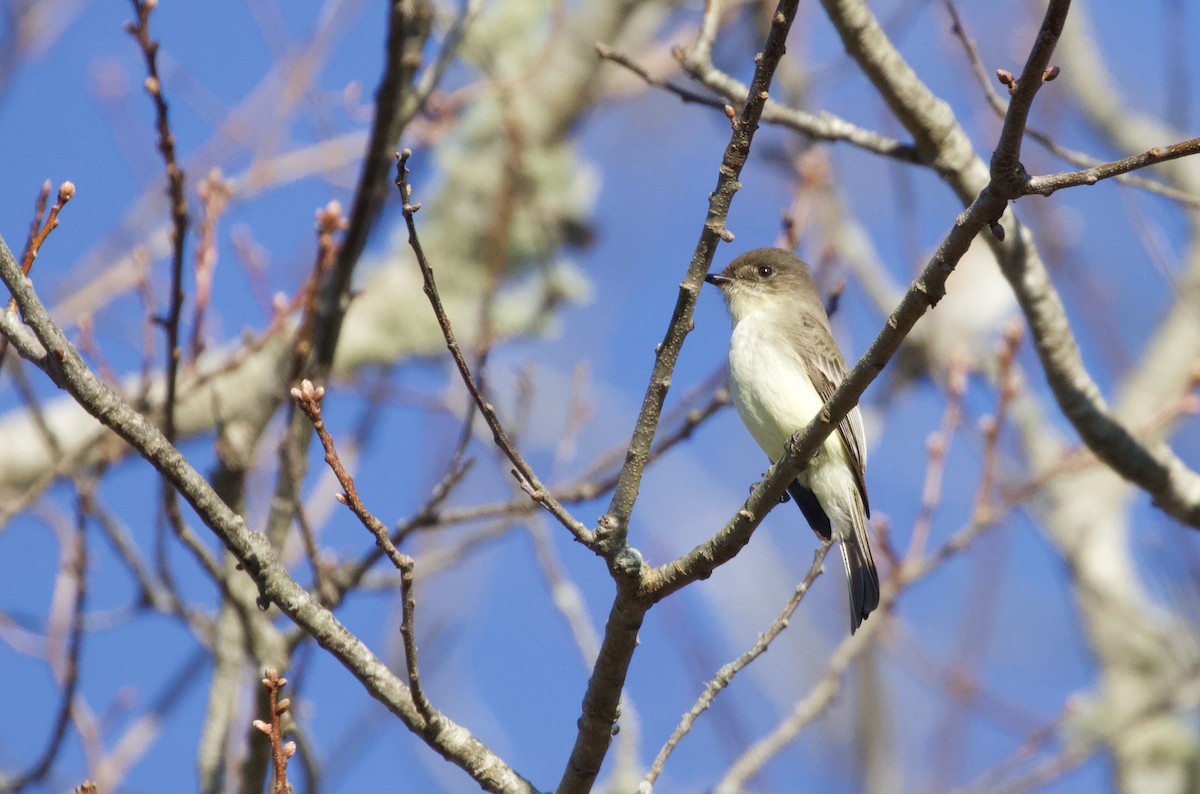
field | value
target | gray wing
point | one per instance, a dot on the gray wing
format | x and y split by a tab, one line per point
826	369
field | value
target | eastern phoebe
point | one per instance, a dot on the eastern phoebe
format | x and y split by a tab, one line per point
783	366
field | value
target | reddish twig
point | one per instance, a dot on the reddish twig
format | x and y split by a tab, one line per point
938	446
281	751
39	212
348	576
308	399
1009	385
38	232
140	30
330	219
66	192
214	191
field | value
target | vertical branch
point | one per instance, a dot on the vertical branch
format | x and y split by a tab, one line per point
281	751
140	30
614	525
409	25
1006	160
601	701
214	192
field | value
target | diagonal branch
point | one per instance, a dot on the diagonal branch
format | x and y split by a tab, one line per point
726	674
924	293
1006	159
309	397
524	473
253	552
1174	487
614	525
601	701
396	104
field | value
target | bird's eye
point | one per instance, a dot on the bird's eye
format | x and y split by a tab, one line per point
765	271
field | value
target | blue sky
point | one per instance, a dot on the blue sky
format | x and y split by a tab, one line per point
498	657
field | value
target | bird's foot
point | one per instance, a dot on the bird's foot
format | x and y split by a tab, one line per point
784	498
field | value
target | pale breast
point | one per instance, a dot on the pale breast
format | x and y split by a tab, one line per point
771	389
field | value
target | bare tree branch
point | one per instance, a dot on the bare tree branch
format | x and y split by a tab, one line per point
275	585
524	473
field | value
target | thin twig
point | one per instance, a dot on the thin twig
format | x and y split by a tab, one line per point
1008	384
997	103
151	592
66	192
73	574
214	191
281	751
38	232
1182	694
938	446
609	54
308	398
330	221
697	62
39	212
524	473
1048	184
140	30
55	354
726	674
811	706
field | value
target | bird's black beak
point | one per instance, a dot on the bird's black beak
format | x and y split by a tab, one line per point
717	279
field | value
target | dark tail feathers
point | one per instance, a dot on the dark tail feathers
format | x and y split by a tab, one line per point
861	576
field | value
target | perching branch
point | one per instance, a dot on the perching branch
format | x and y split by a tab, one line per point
615	523
601	701
1174	487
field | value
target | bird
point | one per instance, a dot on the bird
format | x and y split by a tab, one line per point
783	365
